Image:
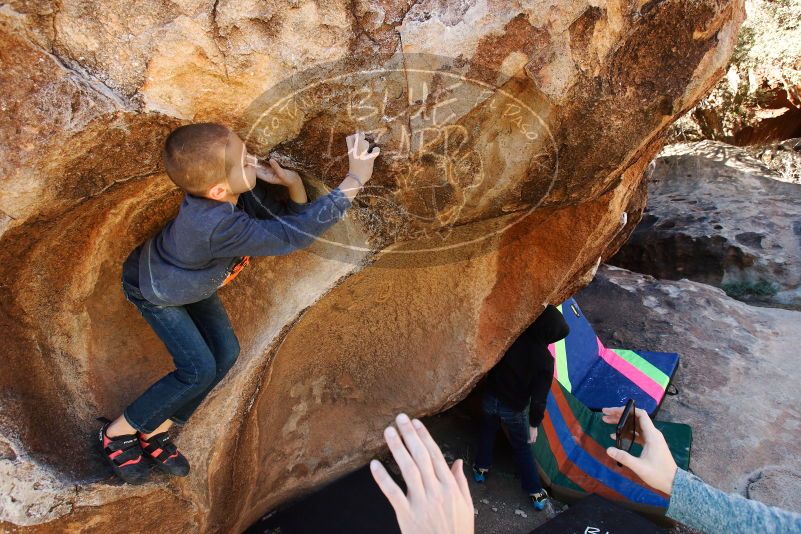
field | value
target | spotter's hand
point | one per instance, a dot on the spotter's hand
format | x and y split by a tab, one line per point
437	498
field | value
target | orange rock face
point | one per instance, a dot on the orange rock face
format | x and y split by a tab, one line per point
513	138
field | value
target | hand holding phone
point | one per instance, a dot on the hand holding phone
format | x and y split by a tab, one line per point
626	430
655	465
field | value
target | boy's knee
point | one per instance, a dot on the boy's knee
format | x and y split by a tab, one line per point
206	375
229	355
200	376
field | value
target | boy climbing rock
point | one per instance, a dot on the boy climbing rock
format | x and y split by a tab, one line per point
227	215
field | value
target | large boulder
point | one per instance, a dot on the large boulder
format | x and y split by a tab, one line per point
717	215
513	140
738	375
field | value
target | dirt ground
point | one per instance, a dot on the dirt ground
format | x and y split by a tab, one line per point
501	504
354	504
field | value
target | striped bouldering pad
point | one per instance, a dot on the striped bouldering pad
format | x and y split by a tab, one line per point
599	376
571	455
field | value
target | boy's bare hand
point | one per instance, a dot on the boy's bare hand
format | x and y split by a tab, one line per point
276	174
360	159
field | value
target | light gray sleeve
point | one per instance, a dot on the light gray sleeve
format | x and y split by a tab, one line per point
702	507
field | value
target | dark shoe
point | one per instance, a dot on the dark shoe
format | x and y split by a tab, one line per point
165	454
124	455
479	474
539	500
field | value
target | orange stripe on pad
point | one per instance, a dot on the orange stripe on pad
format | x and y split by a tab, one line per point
573	472
592	447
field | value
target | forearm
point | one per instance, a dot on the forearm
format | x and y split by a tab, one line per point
297	192
307	221
539	392
245	236
350	186
536	412
702	507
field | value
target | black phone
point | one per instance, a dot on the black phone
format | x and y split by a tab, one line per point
626	429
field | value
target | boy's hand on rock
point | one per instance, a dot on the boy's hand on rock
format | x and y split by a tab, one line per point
360	158
276	174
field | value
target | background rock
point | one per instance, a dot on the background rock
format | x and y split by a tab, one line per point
718	216
758	102
783	158
778	485
455	248
737	377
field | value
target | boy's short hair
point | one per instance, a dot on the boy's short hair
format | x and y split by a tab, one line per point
194	156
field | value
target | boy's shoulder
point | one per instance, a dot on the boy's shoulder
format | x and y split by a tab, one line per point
190	233
204	213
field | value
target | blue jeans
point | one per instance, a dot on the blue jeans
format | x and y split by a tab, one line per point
203	345
494	414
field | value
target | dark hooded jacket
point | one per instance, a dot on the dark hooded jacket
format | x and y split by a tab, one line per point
524	374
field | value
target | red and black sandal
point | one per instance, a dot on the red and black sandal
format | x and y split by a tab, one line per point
165	454
124	454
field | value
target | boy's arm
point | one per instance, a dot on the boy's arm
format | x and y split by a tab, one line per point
269	182
264	203
242	235
297	192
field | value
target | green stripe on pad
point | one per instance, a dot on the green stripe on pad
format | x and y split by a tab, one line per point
561	359
561	364
653	372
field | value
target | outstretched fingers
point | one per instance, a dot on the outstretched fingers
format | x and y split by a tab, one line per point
361	145
277	169
355	145
632	462
437	459
637	438
461	480
645	424
418	450
360	148
388	487
408	467
612	415
646	430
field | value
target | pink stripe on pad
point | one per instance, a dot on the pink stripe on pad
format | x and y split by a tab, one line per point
639	378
